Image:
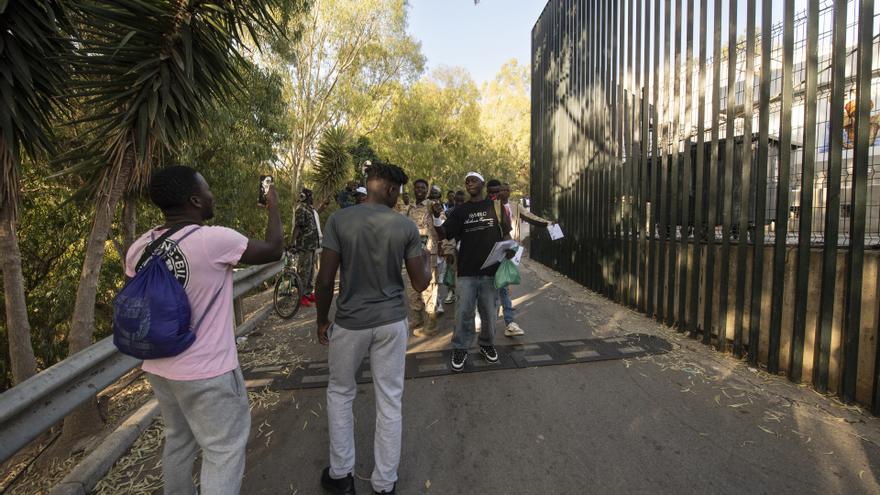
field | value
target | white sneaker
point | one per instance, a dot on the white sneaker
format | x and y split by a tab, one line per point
450	298
513	330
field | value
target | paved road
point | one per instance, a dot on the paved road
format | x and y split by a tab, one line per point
690	421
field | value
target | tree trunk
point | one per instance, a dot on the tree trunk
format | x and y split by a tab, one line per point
129	221
21	352
87	418
84	311
294	190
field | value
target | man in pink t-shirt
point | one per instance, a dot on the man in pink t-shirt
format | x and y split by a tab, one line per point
201	391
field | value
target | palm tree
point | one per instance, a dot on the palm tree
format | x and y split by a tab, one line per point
33	47
147	72
333	165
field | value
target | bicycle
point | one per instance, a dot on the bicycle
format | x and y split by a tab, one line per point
288	292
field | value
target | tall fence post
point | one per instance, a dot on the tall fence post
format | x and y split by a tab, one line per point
645	148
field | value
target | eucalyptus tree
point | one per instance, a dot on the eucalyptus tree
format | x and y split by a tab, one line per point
345	68
505	117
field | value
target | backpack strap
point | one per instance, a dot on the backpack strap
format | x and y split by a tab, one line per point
151	248
210	305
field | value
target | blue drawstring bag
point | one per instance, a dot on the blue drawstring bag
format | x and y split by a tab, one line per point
151	314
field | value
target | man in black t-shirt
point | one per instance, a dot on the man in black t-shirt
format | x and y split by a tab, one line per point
479	225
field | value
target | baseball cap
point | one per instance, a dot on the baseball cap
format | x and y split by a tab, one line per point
474	174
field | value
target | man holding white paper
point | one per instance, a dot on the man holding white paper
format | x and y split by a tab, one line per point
479	223
512	328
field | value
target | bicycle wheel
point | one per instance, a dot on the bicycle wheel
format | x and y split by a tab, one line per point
288	293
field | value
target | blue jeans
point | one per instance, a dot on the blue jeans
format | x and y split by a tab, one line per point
475	293
507	304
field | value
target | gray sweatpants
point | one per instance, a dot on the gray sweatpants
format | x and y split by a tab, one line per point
212	415
386	346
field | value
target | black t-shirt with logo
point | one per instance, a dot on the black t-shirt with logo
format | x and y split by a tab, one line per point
476	225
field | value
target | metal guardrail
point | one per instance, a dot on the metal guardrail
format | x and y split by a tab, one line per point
35	405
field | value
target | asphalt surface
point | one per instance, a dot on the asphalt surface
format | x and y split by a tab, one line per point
688	421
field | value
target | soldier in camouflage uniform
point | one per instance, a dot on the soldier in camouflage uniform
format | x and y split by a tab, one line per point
306	236
423	307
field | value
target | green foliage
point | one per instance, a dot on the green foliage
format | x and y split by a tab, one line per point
173	82
241	145
444	126
506	110
362	151
351	59
433	130
334	164
52	240
290	16
232	153
151	72
32	51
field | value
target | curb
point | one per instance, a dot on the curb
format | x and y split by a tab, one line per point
92	469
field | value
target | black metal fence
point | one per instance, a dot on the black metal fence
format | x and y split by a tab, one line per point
714	164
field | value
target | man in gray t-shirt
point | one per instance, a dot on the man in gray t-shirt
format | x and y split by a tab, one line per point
372	241
369	242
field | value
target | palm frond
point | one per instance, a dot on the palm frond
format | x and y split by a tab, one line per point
333	166
33	76
149	71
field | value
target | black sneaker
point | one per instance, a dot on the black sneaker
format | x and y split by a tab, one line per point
459	357
392	492
342	486
489	353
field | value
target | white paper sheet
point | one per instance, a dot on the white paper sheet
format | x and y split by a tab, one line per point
517	258
555	231
499	252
